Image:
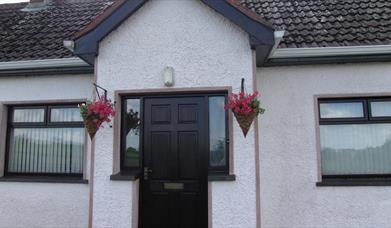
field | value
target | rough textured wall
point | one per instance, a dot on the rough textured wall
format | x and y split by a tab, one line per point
206	50
289	197
45	87
44	204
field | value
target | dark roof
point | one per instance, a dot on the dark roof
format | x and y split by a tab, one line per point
327	23
308	23
40	34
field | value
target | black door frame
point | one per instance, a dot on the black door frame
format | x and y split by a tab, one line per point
164	94
177	93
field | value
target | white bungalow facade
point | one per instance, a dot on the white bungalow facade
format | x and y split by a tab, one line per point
318	157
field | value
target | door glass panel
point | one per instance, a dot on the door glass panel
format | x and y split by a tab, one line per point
380	108
342	110
356	149
65	115
132	133
29	115
217	131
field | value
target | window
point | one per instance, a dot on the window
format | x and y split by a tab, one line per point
45	140
218	151
131	136
355	137
131	120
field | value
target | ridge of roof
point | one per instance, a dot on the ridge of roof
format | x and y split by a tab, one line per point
12	6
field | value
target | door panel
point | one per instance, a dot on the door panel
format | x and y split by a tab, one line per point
188	156
189	213
160	154
174	183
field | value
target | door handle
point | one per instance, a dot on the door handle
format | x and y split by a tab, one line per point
147	171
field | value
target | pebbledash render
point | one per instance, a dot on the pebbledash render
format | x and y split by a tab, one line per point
320	156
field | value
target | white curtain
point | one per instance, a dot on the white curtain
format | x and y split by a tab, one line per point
46	150
356	149
28	115
65	115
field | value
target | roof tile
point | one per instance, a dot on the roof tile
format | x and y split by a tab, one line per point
307	23
327	23
40	34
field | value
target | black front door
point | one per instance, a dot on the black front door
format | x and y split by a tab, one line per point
174	182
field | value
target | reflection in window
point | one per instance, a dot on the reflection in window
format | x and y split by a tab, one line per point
65	115
132	133
341	110
356	149
217	131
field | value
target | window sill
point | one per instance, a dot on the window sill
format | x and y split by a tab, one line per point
132	176
60	180
222	177
125	176
351	182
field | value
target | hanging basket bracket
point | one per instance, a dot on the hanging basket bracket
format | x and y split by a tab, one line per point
242	86
97	88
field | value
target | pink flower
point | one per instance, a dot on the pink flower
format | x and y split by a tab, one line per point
99	111
243	104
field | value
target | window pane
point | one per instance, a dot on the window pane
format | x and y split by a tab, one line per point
217	131
65	115
132	132
29	115
380	108
46	150
356	149
341	110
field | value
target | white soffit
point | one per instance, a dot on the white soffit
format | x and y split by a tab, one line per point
330	51
42	63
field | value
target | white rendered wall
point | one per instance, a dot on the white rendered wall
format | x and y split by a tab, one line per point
52	87
206	50
48	205
289	197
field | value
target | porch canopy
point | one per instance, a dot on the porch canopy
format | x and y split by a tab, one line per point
85	43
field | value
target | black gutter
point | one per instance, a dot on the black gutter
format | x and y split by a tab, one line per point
326	60
47	71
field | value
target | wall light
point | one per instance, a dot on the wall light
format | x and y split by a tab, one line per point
168	76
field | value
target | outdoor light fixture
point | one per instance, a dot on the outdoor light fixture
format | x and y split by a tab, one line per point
168	76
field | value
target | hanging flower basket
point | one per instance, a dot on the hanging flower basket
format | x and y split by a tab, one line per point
246	107
95	113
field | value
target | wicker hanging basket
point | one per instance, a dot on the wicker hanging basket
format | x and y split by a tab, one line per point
245	121
90	126
246	107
